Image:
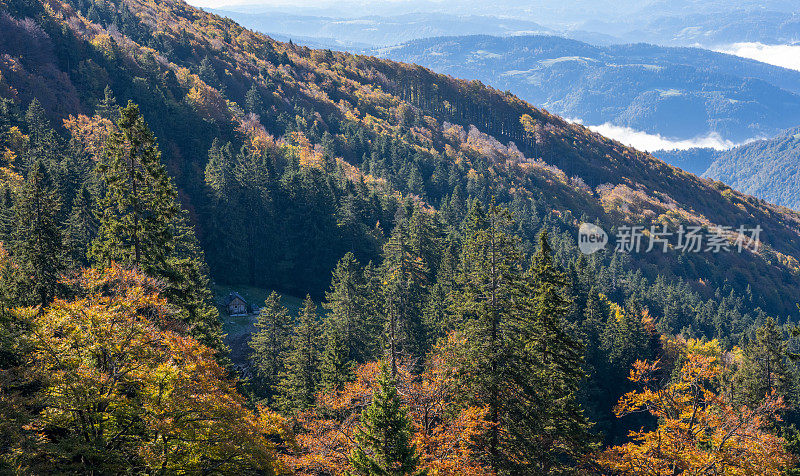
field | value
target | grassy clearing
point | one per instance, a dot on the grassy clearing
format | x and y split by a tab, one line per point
236	326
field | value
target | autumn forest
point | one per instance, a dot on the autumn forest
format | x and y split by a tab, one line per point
152	153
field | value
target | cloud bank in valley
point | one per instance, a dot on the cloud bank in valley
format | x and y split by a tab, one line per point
650	142
787	56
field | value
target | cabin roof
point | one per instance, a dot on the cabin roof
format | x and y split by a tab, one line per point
234	296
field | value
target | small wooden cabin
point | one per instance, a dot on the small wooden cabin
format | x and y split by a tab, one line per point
235	304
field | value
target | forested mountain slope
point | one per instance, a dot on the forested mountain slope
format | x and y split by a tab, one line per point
146	146
768	169
400	128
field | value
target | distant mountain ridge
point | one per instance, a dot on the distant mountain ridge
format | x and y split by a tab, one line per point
768	169
679	93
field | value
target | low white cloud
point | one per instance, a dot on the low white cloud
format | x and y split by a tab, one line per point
787	56
650	142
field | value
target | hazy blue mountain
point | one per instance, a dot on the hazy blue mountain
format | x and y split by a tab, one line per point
769	27
676	92
695	160
369	31
768	169
676	23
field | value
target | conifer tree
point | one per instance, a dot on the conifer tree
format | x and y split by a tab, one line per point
425	235
488	300
270	345
188	287
346	304
351	332
405	280
765	367
7	221
37	241
107	107
139	204
81	226
253	101
383	442
510	360
302	376
336	368
44	144
208	73
559	436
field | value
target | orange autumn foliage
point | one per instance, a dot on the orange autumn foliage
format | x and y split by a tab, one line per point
699	431
443	432
90	133
123	386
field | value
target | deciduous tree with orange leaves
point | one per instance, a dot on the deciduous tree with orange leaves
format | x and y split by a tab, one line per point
119	386
699	431
445	431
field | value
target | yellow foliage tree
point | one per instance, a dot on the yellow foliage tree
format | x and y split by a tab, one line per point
699	432
121	388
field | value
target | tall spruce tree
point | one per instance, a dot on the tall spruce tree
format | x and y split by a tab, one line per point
557	438
351	332
515	358
142	226
301	378
383	442
405	281
488	301
766	368
270	345
107	107
37	241
44	144
81	226
139	204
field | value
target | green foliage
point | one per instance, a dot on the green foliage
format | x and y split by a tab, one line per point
404	286
351	330
383	441
37	238
766	368
301	377
138	206
270	345
517	358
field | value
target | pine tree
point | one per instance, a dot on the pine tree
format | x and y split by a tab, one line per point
405	281
336	367
490	291
559	436
383	442
139	204
37	241
301	378
765	367
188	288
253	102
44	144
81	226
515	358
426	239
351	332
107	107
208	73
270	345
7	221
